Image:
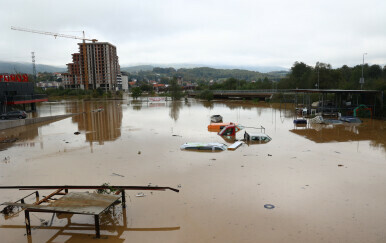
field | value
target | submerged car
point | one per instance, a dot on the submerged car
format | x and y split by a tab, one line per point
14	114
350	119
209	147
216	118
256	137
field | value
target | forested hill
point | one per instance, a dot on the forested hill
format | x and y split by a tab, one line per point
206	74
19	67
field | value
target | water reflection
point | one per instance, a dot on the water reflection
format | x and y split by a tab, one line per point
24	134
136	104
208	104
320	133
175	108
113	225
101	121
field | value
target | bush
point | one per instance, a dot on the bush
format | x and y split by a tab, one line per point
206	95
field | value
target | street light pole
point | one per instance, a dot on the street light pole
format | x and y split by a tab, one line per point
363	63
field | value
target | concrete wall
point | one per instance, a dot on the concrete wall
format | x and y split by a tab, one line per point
6	124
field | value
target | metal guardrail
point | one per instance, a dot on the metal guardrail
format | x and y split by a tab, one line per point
259	91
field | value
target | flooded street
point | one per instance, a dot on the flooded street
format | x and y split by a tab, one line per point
327	183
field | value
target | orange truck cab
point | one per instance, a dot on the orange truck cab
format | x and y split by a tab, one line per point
230	130
216	127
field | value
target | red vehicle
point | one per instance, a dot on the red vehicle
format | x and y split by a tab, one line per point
230	130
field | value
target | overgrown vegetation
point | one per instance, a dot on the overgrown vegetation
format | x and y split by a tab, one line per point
303	76
206	95
109	190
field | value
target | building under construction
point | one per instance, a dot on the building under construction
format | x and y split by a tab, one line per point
99	69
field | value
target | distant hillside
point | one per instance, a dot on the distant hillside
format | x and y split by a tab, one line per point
19	67
134	69
205	74
261	69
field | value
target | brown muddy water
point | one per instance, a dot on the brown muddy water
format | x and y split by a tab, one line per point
327	183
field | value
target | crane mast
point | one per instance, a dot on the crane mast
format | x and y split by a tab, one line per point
85	81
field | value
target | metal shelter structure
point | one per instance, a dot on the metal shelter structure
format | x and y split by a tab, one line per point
338	100
84	203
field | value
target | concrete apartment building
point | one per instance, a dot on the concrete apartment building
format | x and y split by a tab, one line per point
102	67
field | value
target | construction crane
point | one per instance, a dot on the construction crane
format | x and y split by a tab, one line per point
65	36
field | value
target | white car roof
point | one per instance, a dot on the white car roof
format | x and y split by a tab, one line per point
257	134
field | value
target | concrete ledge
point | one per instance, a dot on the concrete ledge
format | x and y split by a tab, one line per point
6	124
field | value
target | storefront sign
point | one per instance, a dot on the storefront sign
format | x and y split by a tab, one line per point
14	78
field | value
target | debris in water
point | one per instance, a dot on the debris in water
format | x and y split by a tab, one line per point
118	175
139	152
175	135
141	194
179	185
213	159
340	165
337	152
67	142
76	133
7	159
8	210
269	154
269	206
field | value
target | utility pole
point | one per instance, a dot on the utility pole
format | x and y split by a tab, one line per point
33	66
362	80
318	78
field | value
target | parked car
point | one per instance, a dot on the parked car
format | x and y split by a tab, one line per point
13	114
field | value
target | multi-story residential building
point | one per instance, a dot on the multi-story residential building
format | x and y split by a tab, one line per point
101	71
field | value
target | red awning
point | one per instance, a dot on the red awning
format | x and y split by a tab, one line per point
25	101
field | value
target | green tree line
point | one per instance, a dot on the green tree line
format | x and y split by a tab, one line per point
303	76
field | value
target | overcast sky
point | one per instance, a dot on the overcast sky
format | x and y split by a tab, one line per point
216	32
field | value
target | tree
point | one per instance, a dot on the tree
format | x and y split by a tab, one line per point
136	92
176	93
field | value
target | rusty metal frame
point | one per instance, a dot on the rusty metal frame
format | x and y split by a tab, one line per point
58	191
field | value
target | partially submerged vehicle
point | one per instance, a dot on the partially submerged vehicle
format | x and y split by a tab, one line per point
256	137
230	130
300	121
216	118
350	119
216	127
208	147
332	121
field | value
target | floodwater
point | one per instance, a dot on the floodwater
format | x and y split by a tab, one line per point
326	183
